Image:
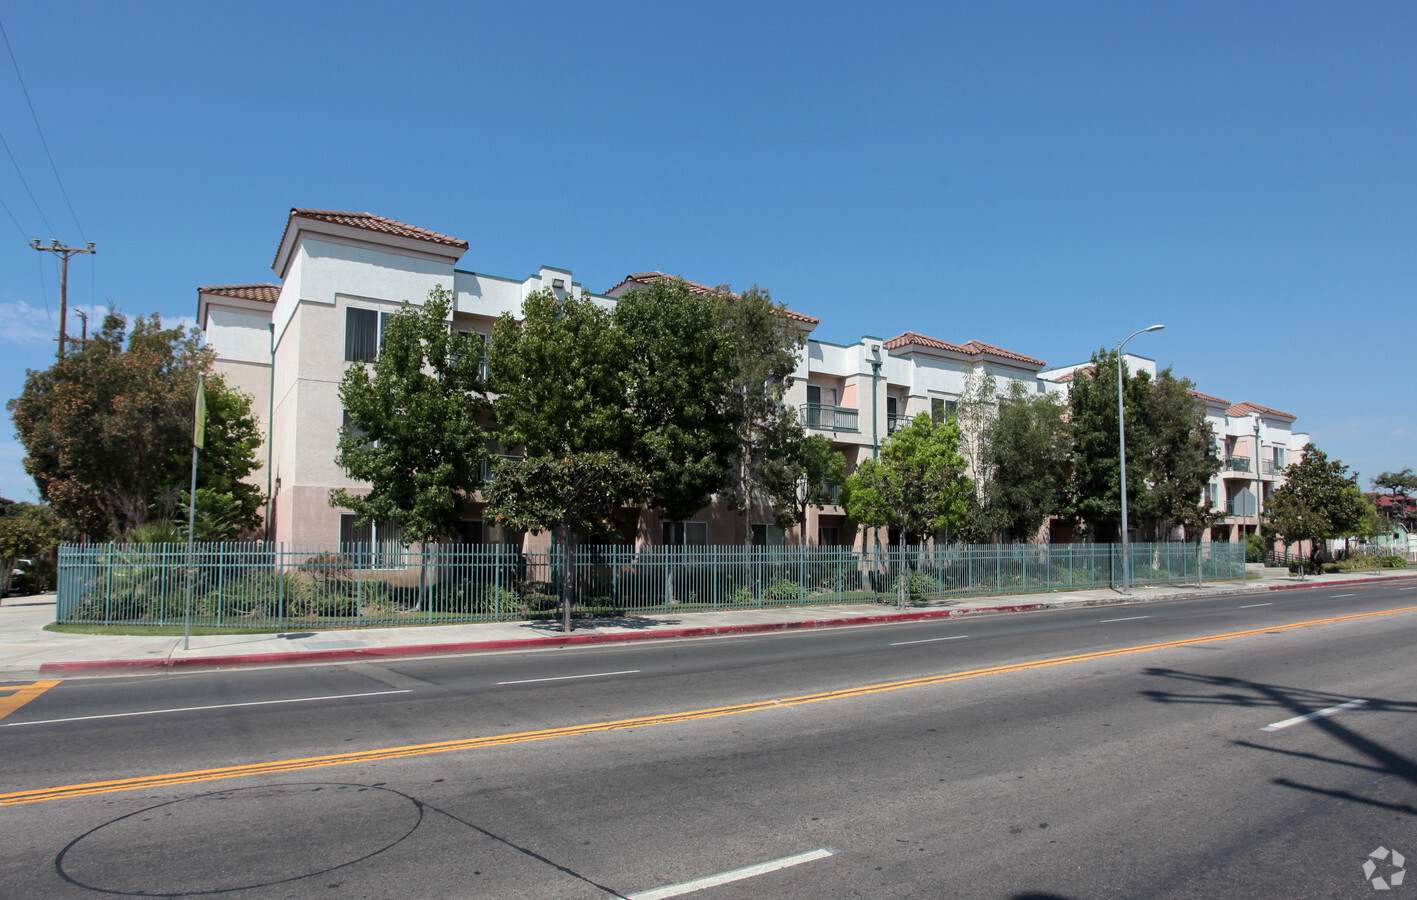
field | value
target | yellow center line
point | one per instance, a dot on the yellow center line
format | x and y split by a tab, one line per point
23	693
501	740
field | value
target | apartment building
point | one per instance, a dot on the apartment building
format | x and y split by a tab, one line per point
342	274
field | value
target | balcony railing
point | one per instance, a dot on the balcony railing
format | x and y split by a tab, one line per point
489	473
823	417
895	422
1270	467
831	493
1237	464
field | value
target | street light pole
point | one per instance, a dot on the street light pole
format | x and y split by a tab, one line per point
1122	443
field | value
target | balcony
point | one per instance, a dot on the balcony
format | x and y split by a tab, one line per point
1270	467
831	493
829	418
1236	464
895	423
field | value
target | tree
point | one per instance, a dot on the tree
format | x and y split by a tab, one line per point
1170	447
1195	519
978	405
563	393
1025	450
574	496
763	344
679	364
415	433
1317	501
1094	482
811	476
1182	458
27	530
917	486
1399	488
107	430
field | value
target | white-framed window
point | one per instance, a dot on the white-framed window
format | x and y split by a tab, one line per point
363	333
378	545
684	534
942	410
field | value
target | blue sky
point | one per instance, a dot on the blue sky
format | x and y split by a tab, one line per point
1042	176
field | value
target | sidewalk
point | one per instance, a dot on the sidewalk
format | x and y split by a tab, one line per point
27	651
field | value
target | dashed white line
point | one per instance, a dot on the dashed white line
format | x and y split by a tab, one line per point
689	887
569	677
1336	596
1127	619
1253	605
158	712
930	640
1323	713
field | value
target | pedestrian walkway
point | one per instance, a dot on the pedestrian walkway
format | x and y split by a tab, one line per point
29	651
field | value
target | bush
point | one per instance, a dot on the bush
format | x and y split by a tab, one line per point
1255	548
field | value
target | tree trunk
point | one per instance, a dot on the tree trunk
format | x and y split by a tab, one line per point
568	577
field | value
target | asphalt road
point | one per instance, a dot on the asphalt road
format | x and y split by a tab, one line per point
1107	752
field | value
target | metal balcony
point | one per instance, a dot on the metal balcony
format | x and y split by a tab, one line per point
823	417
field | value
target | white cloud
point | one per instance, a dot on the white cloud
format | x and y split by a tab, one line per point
21	323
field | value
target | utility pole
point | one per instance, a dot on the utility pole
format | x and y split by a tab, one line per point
64	253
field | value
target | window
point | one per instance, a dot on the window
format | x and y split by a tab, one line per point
942	409
685	534
483	342
363	333
1279	457
765	534
355	431
380	544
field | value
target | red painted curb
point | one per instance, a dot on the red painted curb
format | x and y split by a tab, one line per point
306	656
1312	584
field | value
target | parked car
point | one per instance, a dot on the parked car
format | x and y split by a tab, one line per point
29	576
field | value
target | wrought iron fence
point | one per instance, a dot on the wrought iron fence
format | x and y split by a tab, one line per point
339	586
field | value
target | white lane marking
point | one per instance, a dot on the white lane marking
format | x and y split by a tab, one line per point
568	677
1127	619
1323	713
930	640
158	712
1336	596
688	887
1408	589
1253	605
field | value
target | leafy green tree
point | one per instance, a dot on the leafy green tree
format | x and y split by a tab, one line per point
1195	519
1025	450
917	486
574	496
978	405
107	430
415	432
1182	458
575	424
27	530
811	476
679	364
1094	494
763	344
1317	501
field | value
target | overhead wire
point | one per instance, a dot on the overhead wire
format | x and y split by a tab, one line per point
42	140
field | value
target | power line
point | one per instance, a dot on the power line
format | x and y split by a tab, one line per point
13	219
16	164
42	141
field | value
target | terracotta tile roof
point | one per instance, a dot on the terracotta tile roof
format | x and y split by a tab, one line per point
1208	398
1069	376
648	278
971	348
265	293
1245	407
371	222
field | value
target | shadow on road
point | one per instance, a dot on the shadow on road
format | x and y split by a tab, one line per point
1376	758
635	623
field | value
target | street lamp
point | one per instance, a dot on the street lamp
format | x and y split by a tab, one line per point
1122	441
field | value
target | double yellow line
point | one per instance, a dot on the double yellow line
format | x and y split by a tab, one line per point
499	740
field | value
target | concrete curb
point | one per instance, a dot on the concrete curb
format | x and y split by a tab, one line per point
93	667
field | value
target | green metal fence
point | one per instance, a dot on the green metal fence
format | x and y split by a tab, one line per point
328	586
